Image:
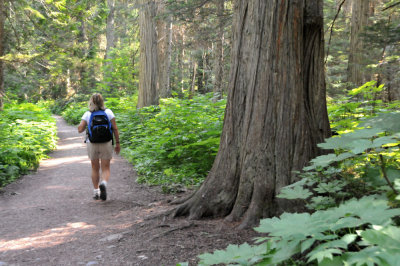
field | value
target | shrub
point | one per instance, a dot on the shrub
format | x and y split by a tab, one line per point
174	143
27	133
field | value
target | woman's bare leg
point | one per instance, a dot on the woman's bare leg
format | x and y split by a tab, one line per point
95	173
105	170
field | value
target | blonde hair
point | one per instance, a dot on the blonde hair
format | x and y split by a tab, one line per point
96	102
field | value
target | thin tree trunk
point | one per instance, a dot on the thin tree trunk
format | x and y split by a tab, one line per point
276	111
219	52
359	19
181	55
194	73
206	71
110	36
2	35
110	31
148	80
82	71
163	35
91	62
200	73
168	59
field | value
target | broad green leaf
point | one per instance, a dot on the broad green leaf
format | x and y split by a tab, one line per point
386	121
234	253
284	250
296	192
397	186
307	244
369	209
325	160
392	174
336	261
290	226
346	222
323	254
387	238
378	142
367	256
366	133
360	145
336	143
321	161
330	187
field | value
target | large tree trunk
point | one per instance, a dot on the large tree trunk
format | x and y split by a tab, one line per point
276	111
359	19
148	80
2	35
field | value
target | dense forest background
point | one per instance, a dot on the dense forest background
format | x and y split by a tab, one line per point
62	49
164	69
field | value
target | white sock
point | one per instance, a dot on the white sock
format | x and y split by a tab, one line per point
96	191
104	182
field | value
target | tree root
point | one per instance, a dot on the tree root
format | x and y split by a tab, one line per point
172	230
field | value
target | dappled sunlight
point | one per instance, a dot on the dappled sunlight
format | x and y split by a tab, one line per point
72	138
59	187
48	238
59	161
71	146
123	226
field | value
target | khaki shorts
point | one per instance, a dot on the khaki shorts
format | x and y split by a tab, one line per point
100	150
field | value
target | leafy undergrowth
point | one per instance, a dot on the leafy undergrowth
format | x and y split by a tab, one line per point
175	143
27	133
353	197
358	232
352	193
348	111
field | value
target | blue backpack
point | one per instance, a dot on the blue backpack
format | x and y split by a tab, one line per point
99	128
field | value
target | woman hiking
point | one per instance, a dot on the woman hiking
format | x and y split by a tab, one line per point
101	128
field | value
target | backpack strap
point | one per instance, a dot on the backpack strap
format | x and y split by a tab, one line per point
109	124
90	122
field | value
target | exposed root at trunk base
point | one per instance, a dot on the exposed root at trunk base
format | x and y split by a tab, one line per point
172	230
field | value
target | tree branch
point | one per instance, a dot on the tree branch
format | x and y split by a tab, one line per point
15	31
331	27
385	175
391	6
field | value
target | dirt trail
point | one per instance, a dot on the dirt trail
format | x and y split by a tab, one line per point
50	218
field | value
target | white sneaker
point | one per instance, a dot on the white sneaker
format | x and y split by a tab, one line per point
96	194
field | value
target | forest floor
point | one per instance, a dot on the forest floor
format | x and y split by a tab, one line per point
49	217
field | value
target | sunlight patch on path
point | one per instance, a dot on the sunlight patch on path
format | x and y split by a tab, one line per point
60	161
48	238
59	187
72	146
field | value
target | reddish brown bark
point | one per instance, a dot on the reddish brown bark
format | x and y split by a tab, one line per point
276	111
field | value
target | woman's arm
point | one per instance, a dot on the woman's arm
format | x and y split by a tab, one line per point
116	134
82	126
